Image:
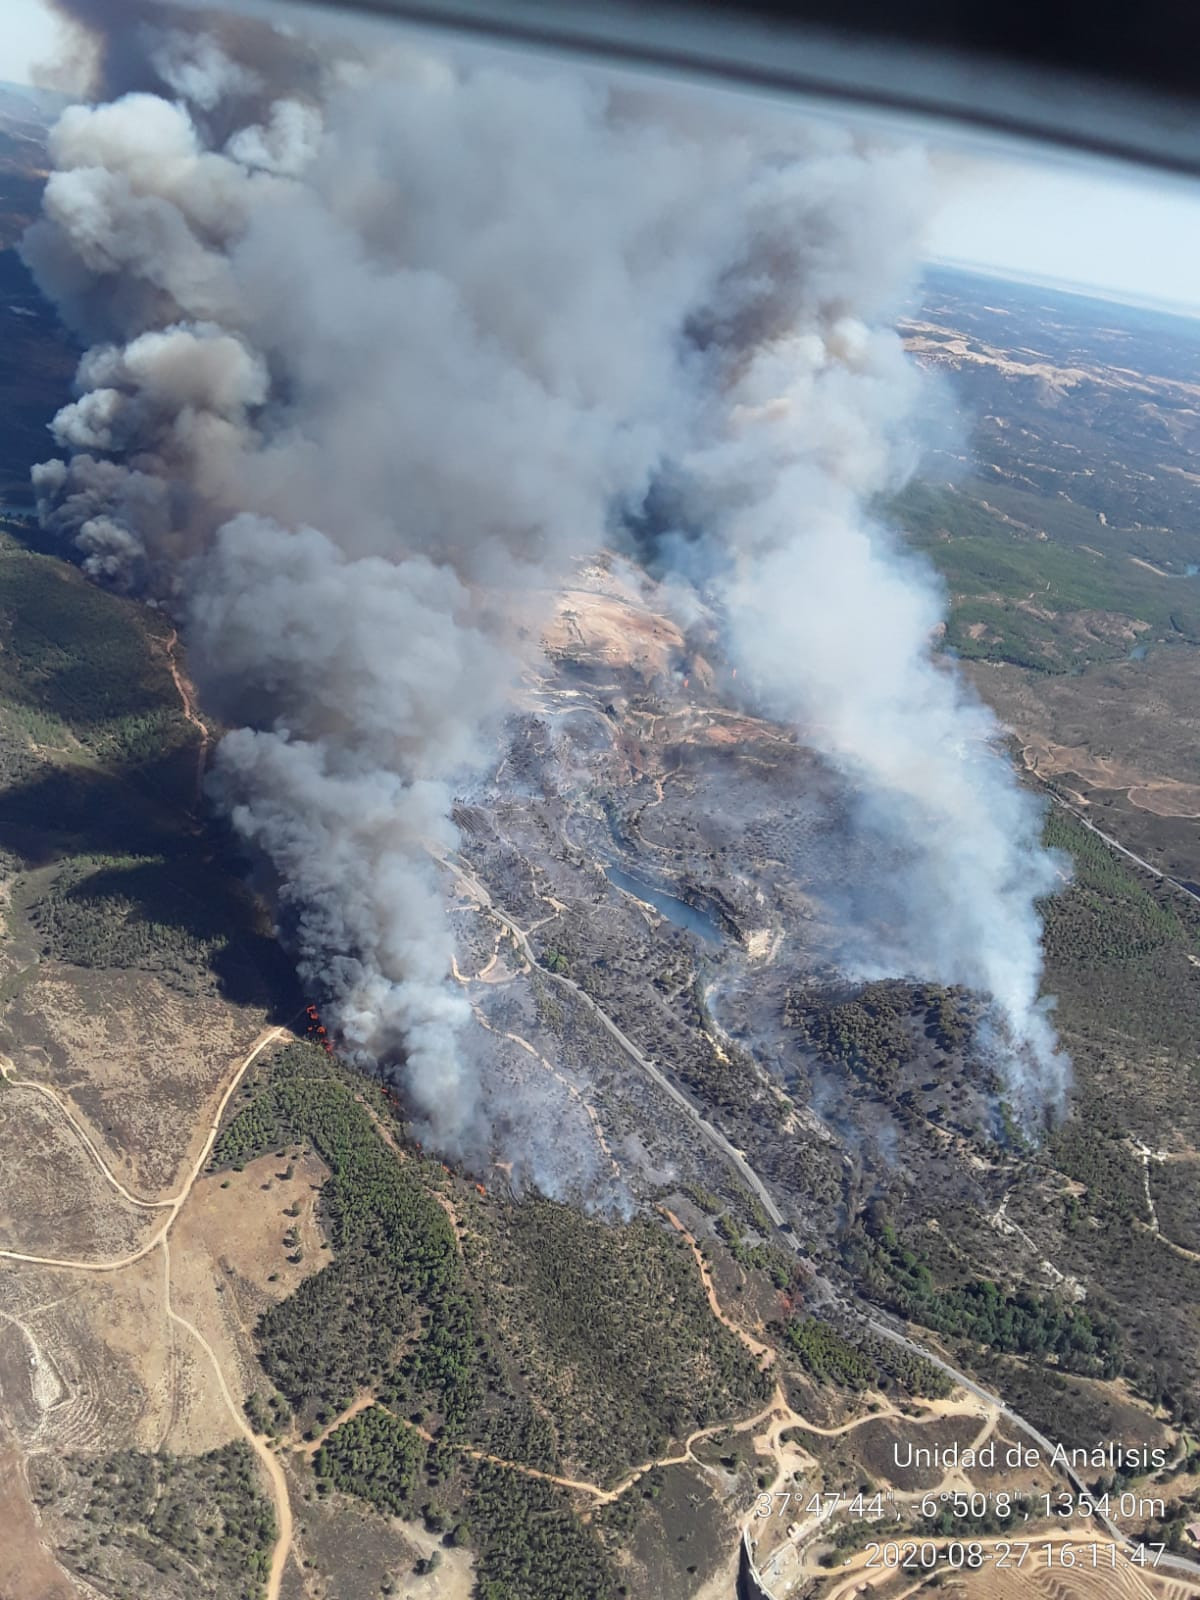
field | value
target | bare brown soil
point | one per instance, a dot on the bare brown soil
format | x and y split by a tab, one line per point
139	1064
929	339
615	627
28	1571
104	1376
235	1221
1166	797
354	1550
228	1262
1122	738
110	1351
53	1198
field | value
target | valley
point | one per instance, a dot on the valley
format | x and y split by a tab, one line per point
755	1221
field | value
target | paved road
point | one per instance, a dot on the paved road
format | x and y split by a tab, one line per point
717	1141
712	1136
1045	1445
1177	1563
1115	844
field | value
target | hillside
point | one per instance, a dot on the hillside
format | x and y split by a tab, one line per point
1066	526
768	1228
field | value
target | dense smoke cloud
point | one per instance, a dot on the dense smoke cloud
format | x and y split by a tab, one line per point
834	624
377	347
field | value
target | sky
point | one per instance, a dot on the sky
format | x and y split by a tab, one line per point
1106	229
26	37
1114	230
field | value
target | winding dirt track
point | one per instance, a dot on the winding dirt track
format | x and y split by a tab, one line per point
718	1142
595	1491
279	1489
763	1353
187	699
362	1401
777	1412
176	1203
6	1070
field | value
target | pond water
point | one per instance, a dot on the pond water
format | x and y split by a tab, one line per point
675	910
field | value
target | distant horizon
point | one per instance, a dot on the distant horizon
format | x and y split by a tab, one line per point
1081	290
1044	217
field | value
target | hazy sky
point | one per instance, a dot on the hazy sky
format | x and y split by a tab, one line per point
26	37
1115	229
1133	235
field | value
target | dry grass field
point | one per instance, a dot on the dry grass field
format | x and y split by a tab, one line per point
140	1064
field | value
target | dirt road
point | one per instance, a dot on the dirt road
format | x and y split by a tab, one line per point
763	1353
187	699
279	1488
734	1157
175	1204
595	1491
278	1483
6	1072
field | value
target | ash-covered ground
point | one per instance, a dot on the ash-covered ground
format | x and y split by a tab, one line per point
690	867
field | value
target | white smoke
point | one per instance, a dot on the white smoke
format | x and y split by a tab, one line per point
834	624
379	346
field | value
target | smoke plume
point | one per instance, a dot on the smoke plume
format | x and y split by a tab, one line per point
379	342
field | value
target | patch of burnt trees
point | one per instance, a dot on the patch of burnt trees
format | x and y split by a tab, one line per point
876	1032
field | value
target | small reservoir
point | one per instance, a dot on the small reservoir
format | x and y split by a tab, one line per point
683	915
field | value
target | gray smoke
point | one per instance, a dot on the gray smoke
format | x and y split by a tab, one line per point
833	623
380	343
